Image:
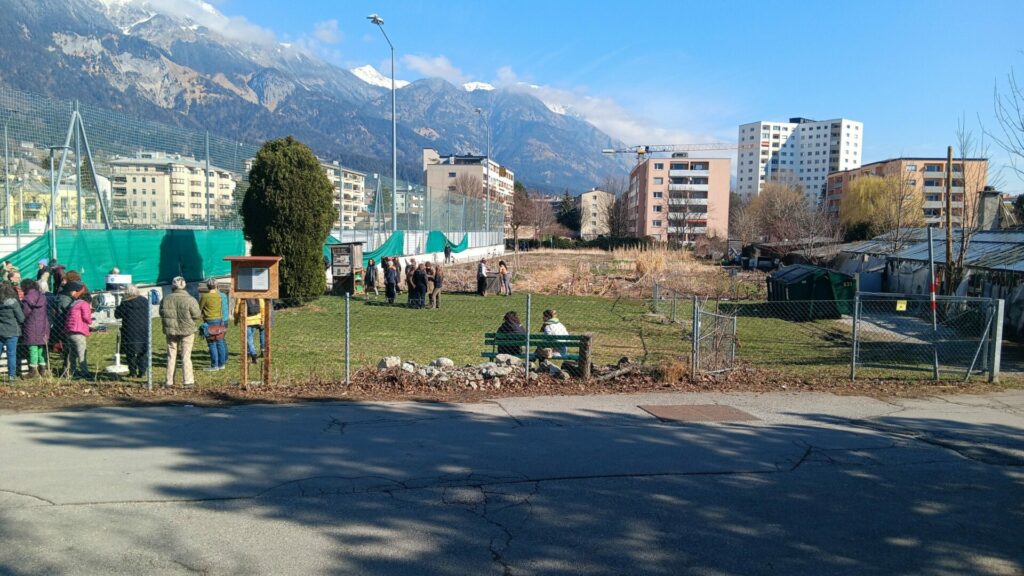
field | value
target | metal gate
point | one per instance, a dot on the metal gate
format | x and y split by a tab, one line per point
713	342
909	335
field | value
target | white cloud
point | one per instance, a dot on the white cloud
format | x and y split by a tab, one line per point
604	113
435	67
204	14
327	32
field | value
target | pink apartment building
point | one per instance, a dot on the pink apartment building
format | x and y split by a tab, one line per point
680	198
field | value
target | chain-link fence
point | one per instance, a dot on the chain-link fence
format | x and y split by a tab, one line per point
952	337
115	336
110	169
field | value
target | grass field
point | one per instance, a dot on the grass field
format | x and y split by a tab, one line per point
308	342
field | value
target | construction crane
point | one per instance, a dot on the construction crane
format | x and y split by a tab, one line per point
644	150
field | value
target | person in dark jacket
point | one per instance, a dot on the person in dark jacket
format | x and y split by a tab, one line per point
511	325
390	281
418	295
35	333
133	312
371	278
11	319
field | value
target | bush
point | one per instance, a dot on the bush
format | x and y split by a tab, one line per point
288	211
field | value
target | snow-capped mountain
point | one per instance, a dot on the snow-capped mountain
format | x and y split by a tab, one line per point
474	86
182	62
371	76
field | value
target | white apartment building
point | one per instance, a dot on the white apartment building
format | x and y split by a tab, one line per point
153	188
801	151
349	194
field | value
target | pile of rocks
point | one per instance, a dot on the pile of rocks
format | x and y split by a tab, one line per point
487	374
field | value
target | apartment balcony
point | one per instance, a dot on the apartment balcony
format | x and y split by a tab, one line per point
928	174
942	189
688	187
687	201
686	173
687	229
120	191
698	217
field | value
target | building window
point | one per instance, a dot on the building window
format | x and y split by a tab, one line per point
659	166
658	181
656	223
658	194
451	174
657	208
911	167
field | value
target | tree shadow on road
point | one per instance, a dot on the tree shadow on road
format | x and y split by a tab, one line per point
448	489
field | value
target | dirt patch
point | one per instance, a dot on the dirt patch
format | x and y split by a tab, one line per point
398	385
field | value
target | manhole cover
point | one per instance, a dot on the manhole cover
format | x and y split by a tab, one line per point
697	413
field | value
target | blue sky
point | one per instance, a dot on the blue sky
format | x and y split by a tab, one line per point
677	72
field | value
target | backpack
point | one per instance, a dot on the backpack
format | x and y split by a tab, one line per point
252	307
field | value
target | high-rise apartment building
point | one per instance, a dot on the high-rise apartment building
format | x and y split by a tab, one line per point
349	194
153	188
595	208
800	151
925	177
679	199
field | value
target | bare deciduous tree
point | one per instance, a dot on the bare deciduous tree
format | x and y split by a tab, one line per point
1009	112
615	213
969	180
782	213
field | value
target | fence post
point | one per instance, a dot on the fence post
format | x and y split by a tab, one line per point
732	352
348	337
695	339
585	342
675	298
526	355
853	348
997	343
149	348
655	296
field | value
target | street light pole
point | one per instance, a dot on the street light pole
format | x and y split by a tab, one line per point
487	170
375	19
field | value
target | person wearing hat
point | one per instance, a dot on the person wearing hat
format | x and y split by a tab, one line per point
180	314
481	278
43	275
212	304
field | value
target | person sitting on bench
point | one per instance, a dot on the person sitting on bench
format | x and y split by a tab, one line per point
510	325
552	327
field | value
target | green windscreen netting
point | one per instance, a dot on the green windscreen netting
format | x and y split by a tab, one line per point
150	256
436	241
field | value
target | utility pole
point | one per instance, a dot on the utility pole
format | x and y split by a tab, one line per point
949	220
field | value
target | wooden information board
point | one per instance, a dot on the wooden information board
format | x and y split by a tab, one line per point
255	277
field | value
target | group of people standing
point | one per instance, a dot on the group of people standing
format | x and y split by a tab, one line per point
183	317
34	320
423	281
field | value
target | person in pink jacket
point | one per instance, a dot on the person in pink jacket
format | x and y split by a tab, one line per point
77	327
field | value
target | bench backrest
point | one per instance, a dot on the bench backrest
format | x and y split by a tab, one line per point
547	340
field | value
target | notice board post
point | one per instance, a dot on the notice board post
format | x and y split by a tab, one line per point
255	277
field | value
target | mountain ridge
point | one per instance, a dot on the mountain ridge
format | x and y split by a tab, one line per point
129	56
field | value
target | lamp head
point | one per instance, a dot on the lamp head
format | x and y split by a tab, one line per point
375	19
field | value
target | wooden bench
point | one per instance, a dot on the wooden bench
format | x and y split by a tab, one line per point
577	347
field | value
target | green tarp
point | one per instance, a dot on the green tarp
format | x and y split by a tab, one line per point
157	256
436	241
150	256
394	246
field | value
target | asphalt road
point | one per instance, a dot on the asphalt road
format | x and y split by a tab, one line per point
818	484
